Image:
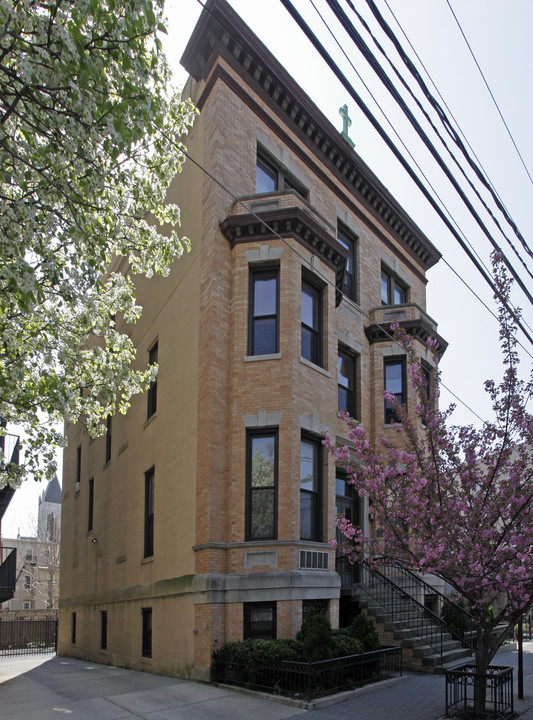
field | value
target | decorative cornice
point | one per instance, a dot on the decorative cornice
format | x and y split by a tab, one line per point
290	222
221	32
419	329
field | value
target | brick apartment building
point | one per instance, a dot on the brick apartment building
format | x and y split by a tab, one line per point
204	516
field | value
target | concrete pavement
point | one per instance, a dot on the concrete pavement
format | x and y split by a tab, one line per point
45	688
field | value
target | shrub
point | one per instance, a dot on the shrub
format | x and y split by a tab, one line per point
363	629
316	638
345	645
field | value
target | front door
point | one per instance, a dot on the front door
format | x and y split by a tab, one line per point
348	505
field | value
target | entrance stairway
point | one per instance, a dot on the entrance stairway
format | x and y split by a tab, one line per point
408	611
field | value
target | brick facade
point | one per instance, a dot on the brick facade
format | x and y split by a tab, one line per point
212	392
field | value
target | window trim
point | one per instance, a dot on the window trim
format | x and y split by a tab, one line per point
78	469
265	273
247	609
147	630
318	312
108	438
284	180
353	409
250	435
393	282
389	361
103	629
348	240
90	507
151	404
317	494
149	497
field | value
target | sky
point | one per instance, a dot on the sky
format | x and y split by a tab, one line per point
500	41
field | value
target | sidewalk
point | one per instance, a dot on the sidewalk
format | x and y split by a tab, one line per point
44	688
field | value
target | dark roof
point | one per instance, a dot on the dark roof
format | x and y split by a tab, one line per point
52	494
221	32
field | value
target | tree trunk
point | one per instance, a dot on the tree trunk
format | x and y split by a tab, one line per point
484	654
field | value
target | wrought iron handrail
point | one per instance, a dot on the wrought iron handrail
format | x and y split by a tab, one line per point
465	634
423	622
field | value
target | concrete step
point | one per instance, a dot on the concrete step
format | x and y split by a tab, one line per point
435	660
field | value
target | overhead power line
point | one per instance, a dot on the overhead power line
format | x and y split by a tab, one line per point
382	75
372	119
490	91
408	151
480	173
451	132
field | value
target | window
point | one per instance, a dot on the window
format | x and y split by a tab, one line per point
259	621
346	365
73	628
311	323
109	424
264	312
26	605
103	630
310	490
27	582
320	607
90	514
152	390
29	555
395	383
146	649
347	240
149	513
270	177
261	485
78	468
393	292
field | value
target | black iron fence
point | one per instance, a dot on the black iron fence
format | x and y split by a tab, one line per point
311	680
462	690
27	636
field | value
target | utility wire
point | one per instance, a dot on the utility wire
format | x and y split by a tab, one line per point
435	129
382	75
490	91
442	115
408	151
304	259
325	55
387	119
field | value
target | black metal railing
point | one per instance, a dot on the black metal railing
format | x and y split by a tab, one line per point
27	636
462	685
403	607
461	630
348	571
310	680
8	572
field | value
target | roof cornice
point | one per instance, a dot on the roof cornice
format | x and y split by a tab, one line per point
220	32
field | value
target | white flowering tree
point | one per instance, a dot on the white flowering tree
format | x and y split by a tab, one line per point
89	142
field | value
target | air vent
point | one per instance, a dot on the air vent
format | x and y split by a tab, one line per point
313	560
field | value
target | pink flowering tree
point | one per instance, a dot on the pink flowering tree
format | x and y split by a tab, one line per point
455	501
